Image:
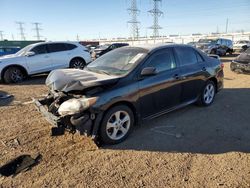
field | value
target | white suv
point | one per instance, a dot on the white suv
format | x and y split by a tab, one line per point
42	57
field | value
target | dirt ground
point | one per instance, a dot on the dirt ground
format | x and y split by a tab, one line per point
191	147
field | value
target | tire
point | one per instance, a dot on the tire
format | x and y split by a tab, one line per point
113	130
213	51
77	63
208	94
13	75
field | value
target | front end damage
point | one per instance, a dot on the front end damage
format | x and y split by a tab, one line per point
57	110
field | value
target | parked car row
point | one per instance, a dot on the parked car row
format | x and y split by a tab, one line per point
7	50
220	46
127	86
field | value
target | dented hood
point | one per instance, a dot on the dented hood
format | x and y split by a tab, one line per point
67	80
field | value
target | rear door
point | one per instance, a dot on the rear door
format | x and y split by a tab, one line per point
161	91
193	73
60	55
41	61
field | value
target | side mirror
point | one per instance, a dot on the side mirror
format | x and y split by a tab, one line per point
148	71
30	53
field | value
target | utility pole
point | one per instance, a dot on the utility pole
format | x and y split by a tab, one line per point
77	38
156	13
227	25
37	29
1	35
133	12
20	24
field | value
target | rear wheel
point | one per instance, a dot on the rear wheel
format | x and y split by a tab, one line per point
77	63
116	125
208	94
13	75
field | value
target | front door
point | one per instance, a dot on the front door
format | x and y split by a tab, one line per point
161	91
40	61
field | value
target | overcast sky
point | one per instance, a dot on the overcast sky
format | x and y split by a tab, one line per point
64	19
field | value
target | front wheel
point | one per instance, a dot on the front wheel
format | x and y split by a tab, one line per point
116	125
208	94
77	63
13	75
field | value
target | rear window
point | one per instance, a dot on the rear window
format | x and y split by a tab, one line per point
71	46
187	56
57	47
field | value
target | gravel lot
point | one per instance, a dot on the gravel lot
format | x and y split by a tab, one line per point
191	147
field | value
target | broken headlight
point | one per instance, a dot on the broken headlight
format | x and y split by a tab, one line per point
74	106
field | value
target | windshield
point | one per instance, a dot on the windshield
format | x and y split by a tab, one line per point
117	62
213	41
24	50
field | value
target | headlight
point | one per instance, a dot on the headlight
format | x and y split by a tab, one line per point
73	106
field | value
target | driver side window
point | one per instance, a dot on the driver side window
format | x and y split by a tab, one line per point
163	61
41	49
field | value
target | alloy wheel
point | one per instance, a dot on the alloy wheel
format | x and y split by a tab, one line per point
118	125
209	93
16	75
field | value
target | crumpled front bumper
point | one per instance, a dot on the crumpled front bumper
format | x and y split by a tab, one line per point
86	124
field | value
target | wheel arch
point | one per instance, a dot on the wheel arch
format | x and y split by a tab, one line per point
215	81
129	105
24	70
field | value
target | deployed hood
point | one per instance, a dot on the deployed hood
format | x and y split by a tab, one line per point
67	80
243	58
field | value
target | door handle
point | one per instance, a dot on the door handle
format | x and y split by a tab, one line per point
203	69
176	76
46	56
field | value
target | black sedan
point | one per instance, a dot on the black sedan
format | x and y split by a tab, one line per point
128	86
242	63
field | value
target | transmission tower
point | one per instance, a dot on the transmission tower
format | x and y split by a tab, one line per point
1	35
156	13
37	29
20	24
134	23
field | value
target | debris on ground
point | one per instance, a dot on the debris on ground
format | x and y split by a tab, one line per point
13	143
20	164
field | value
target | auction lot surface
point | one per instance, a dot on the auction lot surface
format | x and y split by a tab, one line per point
191	147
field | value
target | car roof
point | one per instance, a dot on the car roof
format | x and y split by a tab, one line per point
153	47
50	42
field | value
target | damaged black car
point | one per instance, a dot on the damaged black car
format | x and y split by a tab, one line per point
241	64
127	86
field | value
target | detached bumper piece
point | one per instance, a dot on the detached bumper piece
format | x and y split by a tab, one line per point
81	123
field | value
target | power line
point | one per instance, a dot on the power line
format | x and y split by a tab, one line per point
134	11
37	29
20	24
227	25
156	13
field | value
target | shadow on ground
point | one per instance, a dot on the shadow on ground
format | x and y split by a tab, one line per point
220	128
